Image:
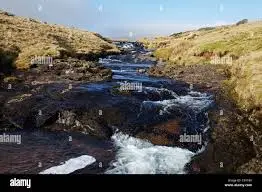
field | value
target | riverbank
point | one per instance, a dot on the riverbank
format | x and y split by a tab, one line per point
232	149
53	102
64	89
235	145
225	61
235	46
40	65
23	39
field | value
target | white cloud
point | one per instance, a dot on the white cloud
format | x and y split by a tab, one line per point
90	15
219	23
149	29
67	12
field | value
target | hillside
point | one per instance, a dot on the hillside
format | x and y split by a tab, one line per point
241	43
22	38
226	61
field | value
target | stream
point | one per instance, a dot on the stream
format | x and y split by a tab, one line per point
148	102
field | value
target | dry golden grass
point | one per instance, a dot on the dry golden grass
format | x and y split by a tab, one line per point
247	80
29	38
243	43
232	40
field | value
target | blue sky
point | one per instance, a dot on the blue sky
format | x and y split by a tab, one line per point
136	18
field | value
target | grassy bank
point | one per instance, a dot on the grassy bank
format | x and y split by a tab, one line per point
241	43
21	39
226	61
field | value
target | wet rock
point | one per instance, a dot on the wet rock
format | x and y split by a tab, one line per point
68	70
166	133
230	144
55	107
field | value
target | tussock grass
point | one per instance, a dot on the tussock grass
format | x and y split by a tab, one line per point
34	38
247	80
242	42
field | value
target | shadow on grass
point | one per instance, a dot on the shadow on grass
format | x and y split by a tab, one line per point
7	60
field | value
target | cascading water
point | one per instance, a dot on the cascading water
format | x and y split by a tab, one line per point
156	100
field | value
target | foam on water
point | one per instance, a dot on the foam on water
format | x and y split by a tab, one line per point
71	165
136	156
143	79
123	70
128	46
126	64
196	101
108	60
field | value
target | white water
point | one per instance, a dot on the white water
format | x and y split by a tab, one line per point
71	165
195	100
136	156
128	46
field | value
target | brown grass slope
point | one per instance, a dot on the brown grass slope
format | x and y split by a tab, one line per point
242	42
22	38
